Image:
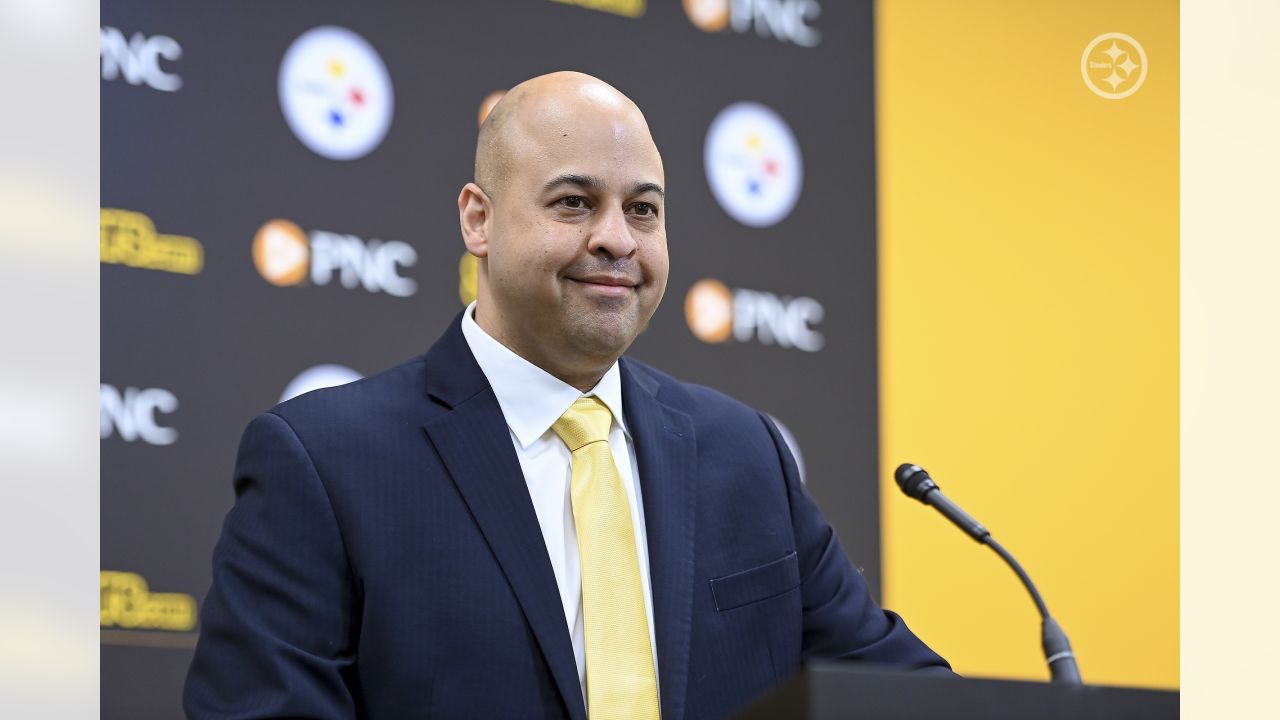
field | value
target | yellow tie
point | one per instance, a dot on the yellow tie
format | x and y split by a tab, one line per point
620	677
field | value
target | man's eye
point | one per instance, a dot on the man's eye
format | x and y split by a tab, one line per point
644	209
574	202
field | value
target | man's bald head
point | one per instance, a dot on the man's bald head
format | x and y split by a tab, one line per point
567	221
537	109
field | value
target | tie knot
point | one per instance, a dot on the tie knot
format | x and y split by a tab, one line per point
585	422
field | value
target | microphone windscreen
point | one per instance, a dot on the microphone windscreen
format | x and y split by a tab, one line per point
914	480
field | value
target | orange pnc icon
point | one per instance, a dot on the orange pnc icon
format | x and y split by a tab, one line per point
281	253
708	15
708	308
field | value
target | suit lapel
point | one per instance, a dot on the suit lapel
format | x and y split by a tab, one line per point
667	455
473	441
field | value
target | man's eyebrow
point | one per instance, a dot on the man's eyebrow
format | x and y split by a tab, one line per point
590	182
644	187
583	181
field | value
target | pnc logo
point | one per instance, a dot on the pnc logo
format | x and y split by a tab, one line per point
1113	66
708	15
786	20
131	414
335	93
753	164
320	376
138	58
716	314
286	255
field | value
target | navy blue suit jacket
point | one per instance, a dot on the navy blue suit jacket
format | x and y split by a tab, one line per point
383	559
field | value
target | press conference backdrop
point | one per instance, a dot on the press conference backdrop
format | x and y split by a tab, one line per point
278	186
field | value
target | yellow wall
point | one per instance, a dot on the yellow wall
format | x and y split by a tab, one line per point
1029	331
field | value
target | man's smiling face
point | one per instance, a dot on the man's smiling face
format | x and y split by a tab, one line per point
575	258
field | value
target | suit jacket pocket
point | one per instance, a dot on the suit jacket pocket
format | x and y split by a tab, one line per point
759	583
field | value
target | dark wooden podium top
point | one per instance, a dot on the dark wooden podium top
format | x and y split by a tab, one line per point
830	690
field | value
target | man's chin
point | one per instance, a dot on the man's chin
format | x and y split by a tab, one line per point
604	335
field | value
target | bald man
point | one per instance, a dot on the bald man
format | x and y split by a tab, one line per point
523	523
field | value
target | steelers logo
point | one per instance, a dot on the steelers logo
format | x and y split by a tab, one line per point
1114	66
335	93
320	376
753	164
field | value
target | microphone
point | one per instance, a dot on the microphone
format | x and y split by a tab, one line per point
916	483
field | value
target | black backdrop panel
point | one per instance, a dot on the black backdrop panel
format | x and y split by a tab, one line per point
215	160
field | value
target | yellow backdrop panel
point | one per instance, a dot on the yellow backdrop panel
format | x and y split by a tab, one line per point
1029	330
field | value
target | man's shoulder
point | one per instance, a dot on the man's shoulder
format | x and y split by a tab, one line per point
699	401
398	390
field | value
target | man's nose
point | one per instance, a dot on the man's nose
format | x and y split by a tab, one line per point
613	235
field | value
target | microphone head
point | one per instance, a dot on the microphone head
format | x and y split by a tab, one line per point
914	481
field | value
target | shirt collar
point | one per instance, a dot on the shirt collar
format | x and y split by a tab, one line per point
531	398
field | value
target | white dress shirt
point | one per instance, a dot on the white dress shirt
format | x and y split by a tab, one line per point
532	400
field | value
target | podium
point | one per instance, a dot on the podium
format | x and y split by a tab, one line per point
833	690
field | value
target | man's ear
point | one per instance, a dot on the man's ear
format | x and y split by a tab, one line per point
475	214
